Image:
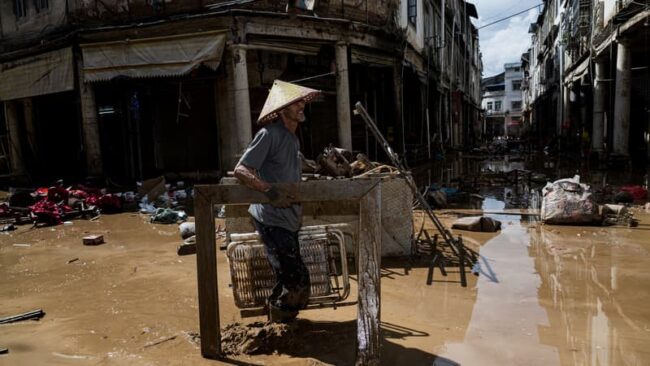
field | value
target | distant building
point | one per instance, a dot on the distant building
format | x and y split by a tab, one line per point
502	102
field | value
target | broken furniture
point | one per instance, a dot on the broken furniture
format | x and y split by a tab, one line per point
322	248
367	192
396	215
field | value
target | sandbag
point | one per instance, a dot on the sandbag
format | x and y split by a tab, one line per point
567	201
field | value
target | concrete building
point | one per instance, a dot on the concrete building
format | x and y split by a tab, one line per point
135	89
502	102
598	84
543	74
607	76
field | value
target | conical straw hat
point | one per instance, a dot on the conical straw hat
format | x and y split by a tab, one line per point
281	95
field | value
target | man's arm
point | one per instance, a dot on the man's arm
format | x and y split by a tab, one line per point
278	197
249	178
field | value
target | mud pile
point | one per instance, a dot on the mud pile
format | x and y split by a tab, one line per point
257	338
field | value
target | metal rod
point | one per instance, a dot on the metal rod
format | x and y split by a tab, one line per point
446	235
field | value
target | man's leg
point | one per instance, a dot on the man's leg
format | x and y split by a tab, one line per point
291	292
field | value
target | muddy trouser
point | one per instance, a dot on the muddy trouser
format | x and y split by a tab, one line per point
291	292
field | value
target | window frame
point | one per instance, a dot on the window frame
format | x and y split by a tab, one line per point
20	9
412	12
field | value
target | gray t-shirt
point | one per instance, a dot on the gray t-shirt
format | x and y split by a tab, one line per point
274	153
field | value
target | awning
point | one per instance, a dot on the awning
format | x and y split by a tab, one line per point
362	55
152	57
46	73
578	72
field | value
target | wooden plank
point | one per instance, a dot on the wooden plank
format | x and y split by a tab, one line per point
312	191
206	271
369	274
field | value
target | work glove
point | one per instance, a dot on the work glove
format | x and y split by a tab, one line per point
279	197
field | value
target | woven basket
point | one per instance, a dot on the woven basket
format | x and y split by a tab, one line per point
253	278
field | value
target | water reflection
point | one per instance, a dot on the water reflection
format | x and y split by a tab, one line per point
564	296
595	294
503	329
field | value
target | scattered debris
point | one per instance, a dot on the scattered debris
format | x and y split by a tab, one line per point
72	357
255	338
637	192
187	229
162	340
623	197
567	201
477	223
152	188
10	227
93	239
186	249
73	260
168	216
35	315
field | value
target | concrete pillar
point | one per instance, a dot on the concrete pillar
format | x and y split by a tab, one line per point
30	131
621	136
90	126
243	129
566	108
343	96
599	108
15	148
226	130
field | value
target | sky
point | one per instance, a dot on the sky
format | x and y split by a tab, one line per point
505	41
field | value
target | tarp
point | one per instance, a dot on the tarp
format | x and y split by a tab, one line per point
46	73
152	57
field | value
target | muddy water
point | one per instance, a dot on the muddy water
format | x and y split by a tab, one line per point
545	296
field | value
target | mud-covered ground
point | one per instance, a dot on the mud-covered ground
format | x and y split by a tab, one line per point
546	295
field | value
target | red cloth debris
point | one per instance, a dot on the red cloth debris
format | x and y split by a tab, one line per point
106	202
48	212
637	192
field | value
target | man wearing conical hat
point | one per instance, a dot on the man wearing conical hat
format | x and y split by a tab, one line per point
274	157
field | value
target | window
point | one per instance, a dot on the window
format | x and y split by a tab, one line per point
516	105
516	85
489	106
428	25
497	105
412	11
20	10
41	5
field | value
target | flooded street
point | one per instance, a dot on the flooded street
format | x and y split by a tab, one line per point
545	295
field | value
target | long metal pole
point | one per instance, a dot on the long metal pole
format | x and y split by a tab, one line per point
449	239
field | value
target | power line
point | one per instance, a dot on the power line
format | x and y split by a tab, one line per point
509	16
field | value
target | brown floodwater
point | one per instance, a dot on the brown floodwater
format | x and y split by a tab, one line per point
546	295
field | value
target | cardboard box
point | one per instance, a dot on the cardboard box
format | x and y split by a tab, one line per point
93	239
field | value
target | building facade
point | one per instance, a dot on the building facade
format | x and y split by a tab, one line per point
600	80
135	89
503	102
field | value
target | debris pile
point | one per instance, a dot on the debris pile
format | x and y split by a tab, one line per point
335	162
567	201
256	338
57	204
